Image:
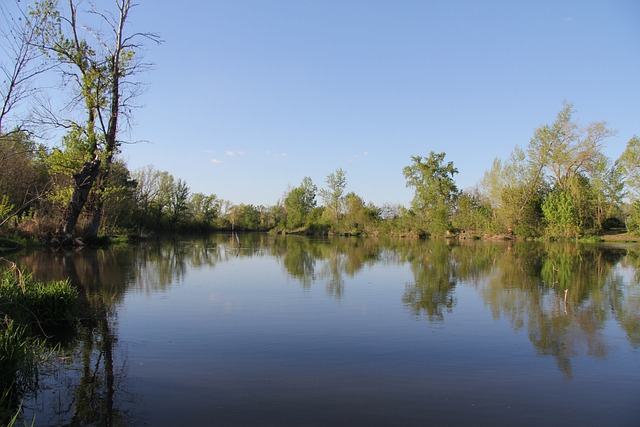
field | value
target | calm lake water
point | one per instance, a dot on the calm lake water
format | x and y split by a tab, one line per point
292	331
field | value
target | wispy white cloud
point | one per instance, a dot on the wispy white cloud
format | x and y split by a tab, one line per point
276	154
216	161
359	156
234	153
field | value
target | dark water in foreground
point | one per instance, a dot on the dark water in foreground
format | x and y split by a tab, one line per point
292	331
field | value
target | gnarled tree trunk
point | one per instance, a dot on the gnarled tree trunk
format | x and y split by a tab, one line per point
82	184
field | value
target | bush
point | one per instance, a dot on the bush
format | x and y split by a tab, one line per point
561	215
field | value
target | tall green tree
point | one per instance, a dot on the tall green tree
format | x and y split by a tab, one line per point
204	209
472	213
629	163
435	191
571	156
607	191
100	66
565	149
333	195
514	190
178	202
629	167
299	202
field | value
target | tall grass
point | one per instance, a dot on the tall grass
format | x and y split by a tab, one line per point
29	310
36	304
19	354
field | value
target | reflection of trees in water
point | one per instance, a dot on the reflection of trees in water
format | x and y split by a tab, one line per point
526	284
332	271
327	260
89	396
562	295
523	282
299	258
438	267
165	262
627	305
434	271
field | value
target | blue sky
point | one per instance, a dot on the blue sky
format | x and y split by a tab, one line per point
248	97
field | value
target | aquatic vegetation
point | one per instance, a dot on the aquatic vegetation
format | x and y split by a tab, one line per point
28	310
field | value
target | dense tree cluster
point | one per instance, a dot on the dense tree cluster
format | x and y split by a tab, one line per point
559	185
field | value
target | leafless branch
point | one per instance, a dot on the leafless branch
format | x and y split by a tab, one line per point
25	62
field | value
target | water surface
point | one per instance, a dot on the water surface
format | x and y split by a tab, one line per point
292	331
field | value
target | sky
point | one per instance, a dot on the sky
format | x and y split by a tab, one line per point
247	97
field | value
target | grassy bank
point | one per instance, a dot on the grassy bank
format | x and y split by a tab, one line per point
30	313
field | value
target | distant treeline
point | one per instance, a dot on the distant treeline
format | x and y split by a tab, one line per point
560	185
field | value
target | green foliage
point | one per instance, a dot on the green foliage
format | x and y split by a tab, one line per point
204	209
247	217
629	164
566	157
73	156
472	214
561	214
606	190
565	149
333	195
299	202
178	197
633	221
435	191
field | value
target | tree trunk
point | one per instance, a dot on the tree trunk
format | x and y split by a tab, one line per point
111	143
82	184
94	225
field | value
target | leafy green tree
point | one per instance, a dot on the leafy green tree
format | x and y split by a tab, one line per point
565	149
561	214
101	68
356	216
333	195
178	202
248	217
435	191
276	215
119	202
472	214
204	209
629	163
566	158
633	221
607	191
299	202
